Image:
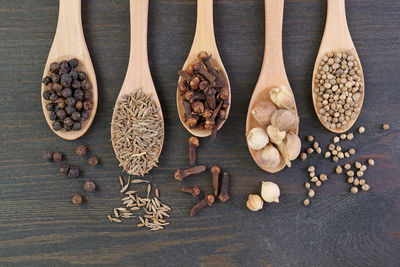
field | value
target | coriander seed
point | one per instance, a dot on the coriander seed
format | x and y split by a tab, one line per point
350	136
323	177
346	154
311	193
306	202
347	166
350	179
339	169
360	173
307	185
362	182
365	187
356	181
310	138
354	190
371	162
303	156
336	139
350	173
361	130
327	154
335	159
318	183
312	174
385	126
311	169
363	168
352	151
310	150
318	150
357	164
315	145
343	136
314	179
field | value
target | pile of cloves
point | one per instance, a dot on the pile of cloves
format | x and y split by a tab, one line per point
205	95
220	192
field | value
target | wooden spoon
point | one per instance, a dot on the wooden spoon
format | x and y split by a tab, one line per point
204	40
138	74
273	72
69	42
336	39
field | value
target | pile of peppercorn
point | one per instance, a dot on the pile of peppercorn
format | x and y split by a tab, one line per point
69	95
205	95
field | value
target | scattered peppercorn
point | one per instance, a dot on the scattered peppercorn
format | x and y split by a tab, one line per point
81	150
77	199
57	156
89	186
93	161
48	156
64	169
74	172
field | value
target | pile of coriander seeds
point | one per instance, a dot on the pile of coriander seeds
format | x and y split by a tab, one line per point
340	89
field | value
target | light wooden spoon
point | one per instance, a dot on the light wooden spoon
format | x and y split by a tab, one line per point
273	71
69	42
204	40
138	74
336	38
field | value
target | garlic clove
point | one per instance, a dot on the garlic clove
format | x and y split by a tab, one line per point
290	148
275	135
270	192
257	138
268	157
285	120
262	112
282	97
254	202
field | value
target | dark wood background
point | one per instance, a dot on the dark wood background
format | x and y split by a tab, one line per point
40	226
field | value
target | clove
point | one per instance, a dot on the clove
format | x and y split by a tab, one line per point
193	143
195	191
215	170
185	76
223	196
182	174
208	200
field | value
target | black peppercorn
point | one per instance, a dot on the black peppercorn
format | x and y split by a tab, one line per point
67	128
76	84
67	92
55	78
77	199
84	115
61	114
46	94
79	105
64	68
49	87
57	156
74	172
57	87
78	94
93	161
87	105
74	74
87	94
81	76
49	106
74	63
69	110
71	101
64	169
53	116
48	156
68	121
66	80
54	67
46	80
77	126
86	85
60	102
53	97
76	116
81	150
57	126
89	186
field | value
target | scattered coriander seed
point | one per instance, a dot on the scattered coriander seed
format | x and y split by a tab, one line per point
80	150
311	193
318	183
352	151
335	159
303	156
354	190
339	169
371	162
361	129
340	155
77	199
64	169
347	166
307	185
357	164
318	150
362	182
89	186
338	148
343	136
312	174
311	169
363	168
315	145
350	173
310	138
365	187
306	202
356	181
334	152
346	154
331	147
93	161
336	139
310	150
360	173
327	154
323	177
48	156
350	136
57	156
350	179
385	126
314	179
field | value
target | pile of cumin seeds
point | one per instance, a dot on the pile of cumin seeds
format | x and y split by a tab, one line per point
154	211
138	133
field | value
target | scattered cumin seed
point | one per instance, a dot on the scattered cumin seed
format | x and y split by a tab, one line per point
138	181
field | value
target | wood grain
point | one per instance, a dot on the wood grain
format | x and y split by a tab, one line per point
40	227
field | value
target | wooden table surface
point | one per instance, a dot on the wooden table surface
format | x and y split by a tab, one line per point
39	226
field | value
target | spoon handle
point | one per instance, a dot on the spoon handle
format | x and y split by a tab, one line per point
205	25
336	24
273	57
69	21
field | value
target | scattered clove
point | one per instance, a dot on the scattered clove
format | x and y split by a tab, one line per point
215	170
207	200
181	174
223	196
195	191
193	143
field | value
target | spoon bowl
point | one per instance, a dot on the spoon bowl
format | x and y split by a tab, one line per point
204	40
69	42
273	73
138	74
336	38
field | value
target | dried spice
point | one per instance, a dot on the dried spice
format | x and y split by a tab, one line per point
89	186
77	199
81	150
68	95
93	161
138	133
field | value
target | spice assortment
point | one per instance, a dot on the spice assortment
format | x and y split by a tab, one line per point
68	95
137	133
205	95
274	138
